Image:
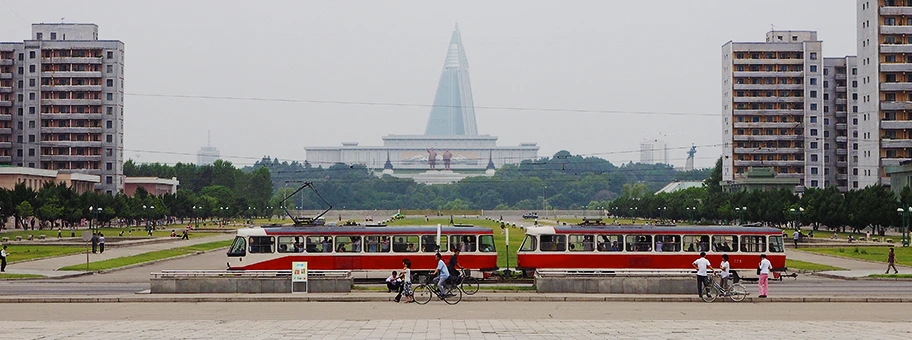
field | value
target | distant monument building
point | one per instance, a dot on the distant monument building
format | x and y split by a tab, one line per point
207	154
654	152
689	165
451	148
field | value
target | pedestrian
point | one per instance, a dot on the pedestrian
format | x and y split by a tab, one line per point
101	241
702	265
72	231
94	243
891	262
186	235
406	277
764	271
724	271
59	232
795	237
3	255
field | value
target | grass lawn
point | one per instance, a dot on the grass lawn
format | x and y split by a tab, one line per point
29	252
516	235
6	276
148	257
892	276
809	266
108	232
879	254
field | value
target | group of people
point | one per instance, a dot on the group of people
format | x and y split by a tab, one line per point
401	282
704	268
98	243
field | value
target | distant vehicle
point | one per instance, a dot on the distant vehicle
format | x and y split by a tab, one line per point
530	215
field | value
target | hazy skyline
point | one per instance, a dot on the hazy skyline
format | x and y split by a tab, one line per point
598	56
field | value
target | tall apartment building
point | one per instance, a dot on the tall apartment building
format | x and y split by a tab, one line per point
780	104
840	96
654	152
885	87
61	102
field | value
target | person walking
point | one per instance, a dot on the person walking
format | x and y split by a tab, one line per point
101	241
406	288
702	265
3	255
795	237
94	243
891	261
764	270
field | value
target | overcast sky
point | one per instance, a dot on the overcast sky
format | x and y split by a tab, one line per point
628	56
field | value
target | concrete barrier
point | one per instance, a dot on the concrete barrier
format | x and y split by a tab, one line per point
617	284
199	282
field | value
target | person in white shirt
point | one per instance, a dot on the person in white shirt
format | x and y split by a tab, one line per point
3	255
724	270
406	277
393	283
763	283
701	265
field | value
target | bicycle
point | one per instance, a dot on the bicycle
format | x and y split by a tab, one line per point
468	284
735	291
424	292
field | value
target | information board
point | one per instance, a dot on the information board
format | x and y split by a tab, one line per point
298	276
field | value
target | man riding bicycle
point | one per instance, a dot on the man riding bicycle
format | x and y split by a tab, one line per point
453	265
442	275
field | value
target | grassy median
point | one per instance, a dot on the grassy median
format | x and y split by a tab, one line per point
148	257
809	266
878	254
24	252
7	276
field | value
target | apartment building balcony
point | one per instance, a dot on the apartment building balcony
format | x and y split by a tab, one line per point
71	158
896	48
892	162
768	99
842	164
767	151
841	76
841	126
6	131
766	138
5	118
842	177
841	114
72	129
768	87
73	60
71	116
842	152
896	143
70	143
71	101
896	86
764	125
842	101
768	112
6	76
896	105
6	159
86	88
896	124
895	10
763	74
6	62
769	163
6	89
6	145
768	61
896	67
884	29
842	139
6	103
71	74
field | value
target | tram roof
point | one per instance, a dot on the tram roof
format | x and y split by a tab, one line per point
633	229
364	230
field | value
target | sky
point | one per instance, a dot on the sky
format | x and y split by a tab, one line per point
610	73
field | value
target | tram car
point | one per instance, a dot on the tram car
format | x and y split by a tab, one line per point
368	251
645	248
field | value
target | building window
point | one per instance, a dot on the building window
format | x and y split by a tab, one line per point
813	81
826	84
814	69
110	166
813	107
31	124
110	82
31	68
32	53
813	132
31	153
109	180
110	138
32	82
53	35
110	96
110	68
813	171
110	124
813	158
813	94
813	55
109	152
110	54
31	110
110	110
814	183
31	95
813	119
813	145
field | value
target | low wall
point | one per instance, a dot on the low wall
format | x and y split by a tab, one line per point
191	285
627	284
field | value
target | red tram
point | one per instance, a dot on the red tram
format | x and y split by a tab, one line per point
633	248
368	251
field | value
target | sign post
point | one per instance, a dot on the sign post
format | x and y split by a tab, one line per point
87	237
299	274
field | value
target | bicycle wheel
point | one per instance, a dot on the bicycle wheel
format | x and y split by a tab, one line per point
709	294
423	294
737	292
453	295
469	285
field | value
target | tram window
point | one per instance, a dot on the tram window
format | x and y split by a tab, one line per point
529	244
238	248
319	244
377	244
291	244
486	244
776	244
429	243
667	243
610	243
725	243
348	244
262	244
639	242
696	243
581	242
405	243
465	243
553	242
756	244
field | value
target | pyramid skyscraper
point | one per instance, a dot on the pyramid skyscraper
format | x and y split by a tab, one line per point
453	113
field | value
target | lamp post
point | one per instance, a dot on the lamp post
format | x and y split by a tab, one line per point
693	213
662	213
543	199
905	225
796	214
94	211
741	211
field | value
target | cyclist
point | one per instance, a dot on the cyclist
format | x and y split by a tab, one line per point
442	275
724	269
453	265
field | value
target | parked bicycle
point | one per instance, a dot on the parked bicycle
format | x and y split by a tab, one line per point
428	290
468	284
735	291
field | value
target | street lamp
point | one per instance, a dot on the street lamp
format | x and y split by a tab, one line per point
94	211
543	199
741	214
693	212
797	215
905	225
662	213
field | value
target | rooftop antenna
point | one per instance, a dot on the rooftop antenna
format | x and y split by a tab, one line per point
62	20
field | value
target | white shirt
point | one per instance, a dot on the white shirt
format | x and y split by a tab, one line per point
391	279
659	246
724	266
408	275
2	252
702	263
765	266
795	235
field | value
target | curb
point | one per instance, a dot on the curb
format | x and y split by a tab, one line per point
136	265
850	258
861	278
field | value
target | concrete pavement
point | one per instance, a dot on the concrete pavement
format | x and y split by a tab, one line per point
854	268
